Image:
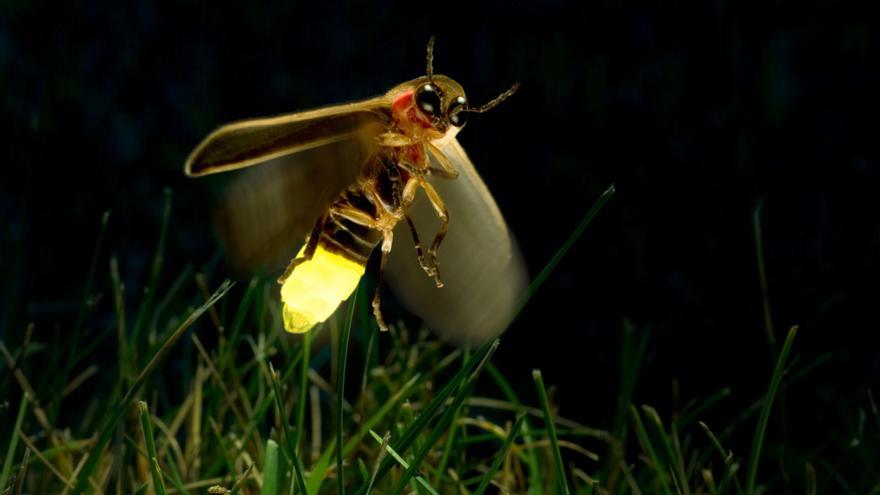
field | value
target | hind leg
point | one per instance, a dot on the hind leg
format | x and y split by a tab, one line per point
377	297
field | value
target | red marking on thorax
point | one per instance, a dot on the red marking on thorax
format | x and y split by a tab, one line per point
408	116
401	103
405	111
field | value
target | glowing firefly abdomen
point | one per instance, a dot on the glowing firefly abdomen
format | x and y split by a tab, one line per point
316	287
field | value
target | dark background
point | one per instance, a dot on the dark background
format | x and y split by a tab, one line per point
695	111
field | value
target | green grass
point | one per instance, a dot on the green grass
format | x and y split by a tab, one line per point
238	406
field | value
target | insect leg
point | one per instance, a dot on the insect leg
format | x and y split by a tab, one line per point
377	297
311	246
440	208
409	194
356	216
419	254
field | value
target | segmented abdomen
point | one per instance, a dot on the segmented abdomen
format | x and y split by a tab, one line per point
346	237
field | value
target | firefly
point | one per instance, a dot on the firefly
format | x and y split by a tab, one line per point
335	183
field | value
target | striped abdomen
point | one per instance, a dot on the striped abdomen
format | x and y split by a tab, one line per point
346	237
317	286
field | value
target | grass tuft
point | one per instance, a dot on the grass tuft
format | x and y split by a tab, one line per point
211	428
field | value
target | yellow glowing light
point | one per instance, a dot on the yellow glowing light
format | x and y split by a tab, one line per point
316	288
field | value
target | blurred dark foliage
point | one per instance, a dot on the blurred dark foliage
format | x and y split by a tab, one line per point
696	111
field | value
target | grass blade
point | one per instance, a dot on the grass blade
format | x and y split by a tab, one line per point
445	420
155	269
383	450
642	433
319	470
340	391
13	442
152	456
758	439
427	414
22	472
271	471
762	276
675	461
236	488
84	305
502	453
396	456
531	455
566	246
303	388
561	478
291	445
707	403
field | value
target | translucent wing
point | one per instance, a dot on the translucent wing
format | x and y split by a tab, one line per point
266	212
308	159
249	142
481	267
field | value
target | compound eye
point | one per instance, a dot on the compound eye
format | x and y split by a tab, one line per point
428	99
454	113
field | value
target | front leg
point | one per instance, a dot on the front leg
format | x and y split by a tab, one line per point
443	214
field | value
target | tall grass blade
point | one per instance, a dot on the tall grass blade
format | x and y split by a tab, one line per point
566	246
271	470
340	391
152	456
760	430
85	304
155	269
561	478
762	276
303	388
291	441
